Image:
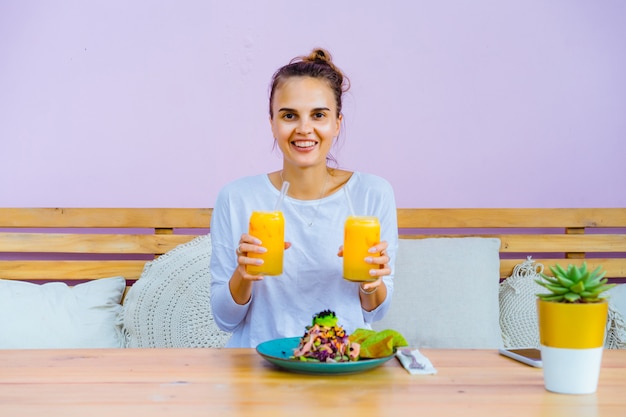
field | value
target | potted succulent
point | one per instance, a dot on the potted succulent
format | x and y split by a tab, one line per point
572	321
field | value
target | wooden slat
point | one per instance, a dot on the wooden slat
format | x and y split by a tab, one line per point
614	267
548	242
78	270
407	218
562	243
106	217
69	270
511	217
90	243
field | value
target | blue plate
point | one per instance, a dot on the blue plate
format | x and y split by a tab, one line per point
279	352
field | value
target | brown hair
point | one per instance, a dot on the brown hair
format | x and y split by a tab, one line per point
318	64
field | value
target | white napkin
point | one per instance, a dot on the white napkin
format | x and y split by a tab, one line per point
425	367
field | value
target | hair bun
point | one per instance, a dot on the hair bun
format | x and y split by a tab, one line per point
319	55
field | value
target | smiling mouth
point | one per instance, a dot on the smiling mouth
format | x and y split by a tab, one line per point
304	144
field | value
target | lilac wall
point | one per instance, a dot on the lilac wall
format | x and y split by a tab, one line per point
458	104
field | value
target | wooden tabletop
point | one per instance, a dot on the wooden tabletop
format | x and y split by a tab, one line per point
203	382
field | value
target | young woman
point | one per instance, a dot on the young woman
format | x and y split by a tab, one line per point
305	118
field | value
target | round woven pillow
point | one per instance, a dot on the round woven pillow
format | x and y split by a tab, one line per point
518	310
169	305
616	322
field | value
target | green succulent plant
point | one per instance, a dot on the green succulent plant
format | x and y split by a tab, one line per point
574	285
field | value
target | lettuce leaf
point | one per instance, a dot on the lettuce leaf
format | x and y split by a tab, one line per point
377	344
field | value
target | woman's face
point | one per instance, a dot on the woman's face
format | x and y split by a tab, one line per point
305	120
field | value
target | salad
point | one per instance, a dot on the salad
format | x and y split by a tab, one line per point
325	341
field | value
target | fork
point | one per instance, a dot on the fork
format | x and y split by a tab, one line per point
414	363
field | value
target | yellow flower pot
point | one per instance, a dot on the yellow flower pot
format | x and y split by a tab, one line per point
572	341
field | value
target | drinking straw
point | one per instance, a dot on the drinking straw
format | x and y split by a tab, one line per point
350	206
283	192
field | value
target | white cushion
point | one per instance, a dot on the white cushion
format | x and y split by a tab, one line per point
55	315
169	305
446	293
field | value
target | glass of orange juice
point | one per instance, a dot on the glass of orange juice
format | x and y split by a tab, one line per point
269	227
360	234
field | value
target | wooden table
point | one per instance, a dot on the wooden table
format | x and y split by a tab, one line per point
203	382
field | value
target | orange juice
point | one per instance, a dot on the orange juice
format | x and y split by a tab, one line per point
360	234
269	227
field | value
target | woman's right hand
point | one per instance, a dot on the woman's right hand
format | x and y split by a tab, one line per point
241	282
248	244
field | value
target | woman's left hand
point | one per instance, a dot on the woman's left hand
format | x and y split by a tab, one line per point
381	260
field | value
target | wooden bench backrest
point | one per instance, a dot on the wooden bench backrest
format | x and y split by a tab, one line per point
596	236
87	243
74	244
